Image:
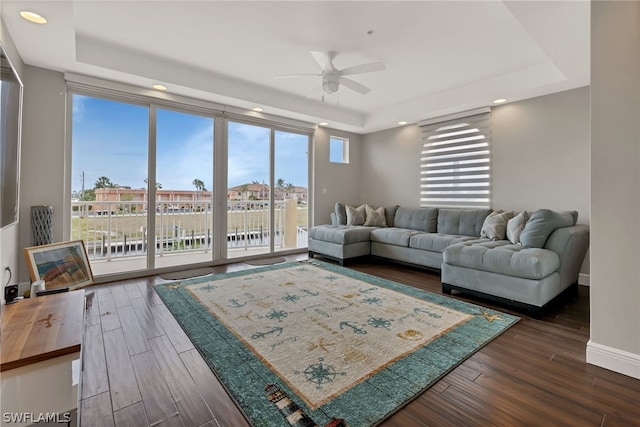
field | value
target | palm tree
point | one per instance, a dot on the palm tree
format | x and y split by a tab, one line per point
289	188
243	189
158	185
104	182
280	187
199	184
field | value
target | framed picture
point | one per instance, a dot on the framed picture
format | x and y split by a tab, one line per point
60	265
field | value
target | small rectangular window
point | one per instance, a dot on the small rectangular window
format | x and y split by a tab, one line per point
338	150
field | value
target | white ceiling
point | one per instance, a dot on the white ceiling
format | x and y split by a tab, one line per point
441	56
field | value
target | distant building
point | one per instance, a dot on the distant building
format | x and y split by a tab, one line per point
111	199
261	192
166	199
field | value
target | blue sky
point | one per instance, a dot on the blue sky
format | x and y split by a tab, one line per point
110	139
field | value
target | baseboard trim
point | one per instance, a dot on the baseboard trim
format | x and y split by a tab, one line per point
584	279
613	359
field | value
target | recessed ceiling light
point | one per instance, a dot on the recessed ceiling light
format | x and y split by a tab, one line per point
323	124
402	122
499	101
258	109
33	17
159	87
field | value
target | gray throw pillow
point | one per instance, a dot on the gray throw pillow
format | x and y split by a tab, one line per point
495	225
390	214
515	226
542	223
356	216
341	214
375	217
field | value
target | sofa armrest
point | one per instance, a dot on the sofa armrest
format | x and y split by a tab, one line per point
571	244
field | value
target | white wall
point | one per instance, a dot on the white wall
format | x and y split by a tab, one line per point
335	182
9	253
615	184
540	155
43	149
390	167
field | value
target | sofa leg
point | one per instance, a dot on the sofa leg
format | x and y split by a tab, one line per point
575	292
446	289
310	254
341	262
536	312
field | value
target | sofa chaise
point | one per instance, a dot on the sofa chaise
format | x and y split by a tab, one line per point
539	259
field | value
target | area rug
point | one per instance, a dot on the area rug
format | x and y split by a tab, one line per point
325	342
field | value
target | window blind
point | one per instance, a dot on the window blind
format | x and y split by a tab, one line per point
455	161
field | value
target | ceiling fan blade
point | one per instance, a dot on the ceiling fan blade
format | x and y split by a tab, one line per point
364	68
324	60
353	85
287	76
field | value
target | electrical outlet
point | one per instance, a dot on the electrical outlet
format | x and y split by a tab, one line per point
10	293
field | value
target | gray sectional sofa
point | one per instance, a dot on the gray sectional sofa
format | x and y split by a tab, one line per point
460	244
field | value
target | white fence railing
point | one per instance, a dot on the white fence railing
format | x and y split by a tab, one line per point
119	229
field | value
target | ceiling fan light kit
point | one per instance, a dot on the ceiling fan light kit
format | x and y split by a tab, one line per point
332	77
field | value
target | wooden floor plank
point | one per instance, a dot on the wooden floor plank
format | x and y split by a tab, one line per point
147	321
120	296
131	416
108	314
91	311
156	397
225	411
94	364
533	374
133	291
96	411
173	330
146	289
122	381
185	393
133	333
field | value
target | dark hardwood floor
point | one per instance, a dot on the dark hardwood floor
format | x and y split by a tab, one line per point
140	368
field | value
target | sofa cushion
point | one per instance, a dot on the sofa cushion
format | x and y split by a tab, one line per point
503	257
341	214
356	216
393	236
515	226
466	222
341	234
422	219
436	242
542	223
390	214
375	217
494	226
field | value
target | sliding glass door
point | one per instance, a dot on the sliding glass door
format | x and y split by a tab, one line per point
291	172
108	172
183	188
144	194
249	213
267	197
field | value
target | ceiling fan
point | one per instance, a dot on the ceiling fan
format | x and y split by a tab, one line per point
332	77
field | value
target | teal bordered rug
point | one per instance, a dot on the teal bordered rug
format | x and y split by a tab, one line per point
306	341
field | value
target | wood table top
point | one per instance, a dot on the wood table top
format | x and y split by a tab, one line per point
41	328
